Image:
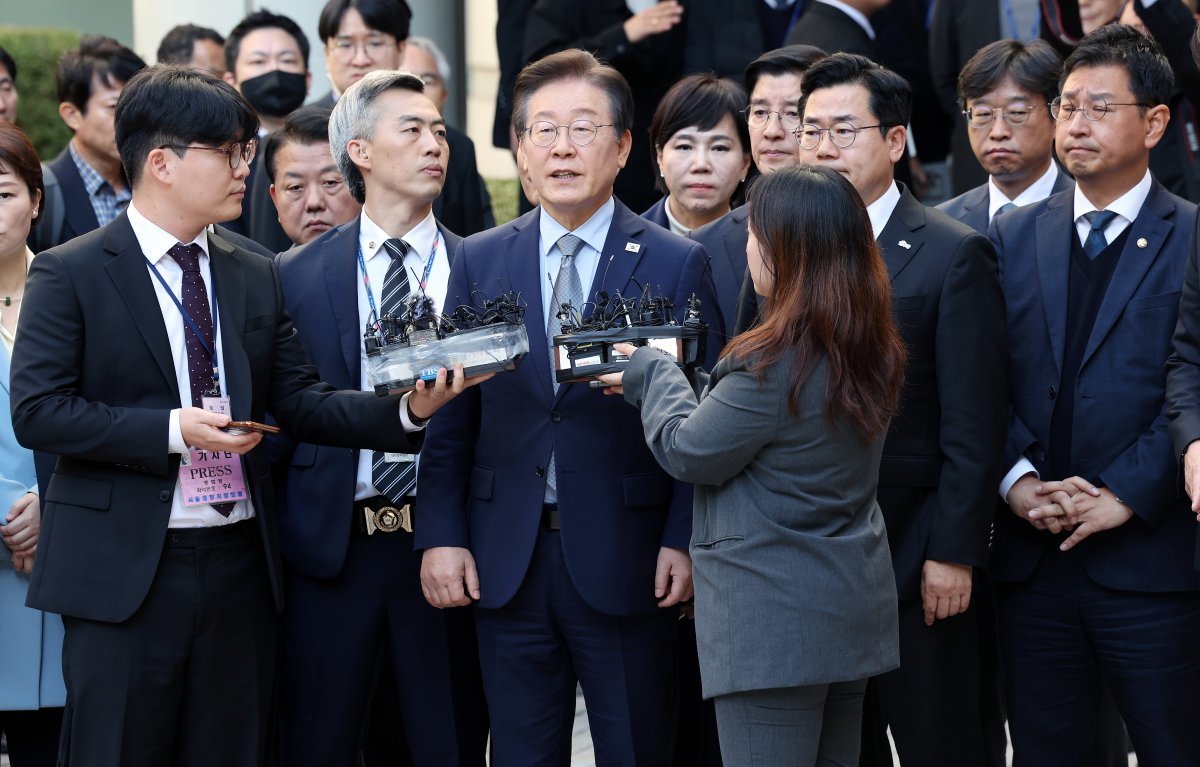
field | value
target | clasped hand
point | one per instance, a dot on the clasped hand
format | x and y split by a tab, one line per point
22	524
1072	504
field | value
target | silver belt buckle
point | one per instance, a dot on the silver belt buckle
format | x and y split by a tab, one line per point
389	519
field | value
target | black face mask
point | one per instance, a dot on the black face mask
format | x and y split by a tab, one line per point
277	93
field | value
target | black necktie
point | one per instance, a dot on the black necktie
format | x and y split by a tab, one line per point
200	362
394	479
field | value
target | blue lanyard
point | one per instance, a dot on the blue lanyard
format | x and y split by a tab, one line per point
362	265
192	326
1007	6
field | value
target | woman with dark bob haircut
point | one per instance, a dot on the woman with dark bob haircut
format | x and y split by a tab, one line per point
32	692
701	147
795	596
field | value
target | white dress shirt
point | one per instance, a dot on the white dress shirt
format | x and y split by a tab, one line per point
1036	192
421	239
880	211
155	242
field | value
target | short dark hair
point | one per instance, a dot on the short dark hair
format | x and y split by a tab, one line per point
355	116
96	58
306	126
178	45
702	100
1142	58
391	17
788	60
890	95
573	64
7	62
1032	66
174	104
17	156
262	20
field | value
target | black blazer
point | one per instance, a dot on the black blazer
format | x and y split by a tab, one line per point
464	206
831	30
93	381
79	216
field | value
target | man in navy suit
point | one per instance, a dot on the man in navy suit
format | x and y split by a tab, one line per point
1005	91
540	501
1094	565
388	140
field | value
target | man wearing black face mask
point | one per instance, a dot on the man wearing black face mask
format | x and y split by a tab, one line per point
266	58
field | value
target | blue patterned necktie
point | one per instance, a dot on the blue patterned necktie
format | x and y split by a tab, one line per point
1006	207
1099	220
567	290
393	479
195	305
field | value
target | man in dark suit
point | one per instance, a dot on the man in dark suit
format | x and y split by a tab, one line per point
838	26
773	83
86	183
158	544
943	450
1005	91
343	572
540	501
1092	280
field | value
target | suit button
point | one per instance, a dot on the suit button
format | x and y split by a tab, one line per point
541	472
1052	393
164	495
555	416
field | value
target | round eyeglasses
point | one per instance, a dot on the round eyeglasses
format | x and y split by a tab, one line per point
234	153
841	135
1093	110
982	117
374	48
759	116
580	132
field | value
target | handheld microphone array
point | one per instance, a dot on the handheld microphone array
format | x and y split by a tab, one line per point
584	348
485	335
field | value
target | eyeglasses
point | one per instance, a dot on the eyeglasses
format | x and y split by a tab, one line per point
374	48
759	116
235	152
982	117
1094	110
580	132
841	135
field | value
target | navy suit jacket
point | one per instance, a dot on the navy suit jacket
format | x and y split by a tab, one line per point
657	214
482	474
1119	430
316	483
971	207
725	241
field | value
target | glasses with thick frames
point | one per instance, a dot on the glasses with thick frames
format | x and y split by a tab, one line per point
234	153
841	135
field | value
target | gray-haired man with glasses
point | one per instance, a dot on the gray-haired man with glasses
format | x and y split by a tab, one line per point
1005	91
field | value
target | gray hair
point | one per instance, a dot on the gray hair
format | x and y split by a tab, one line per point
355	115
439	58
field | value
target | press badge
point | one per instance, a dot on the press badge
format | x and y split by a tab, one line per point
398	457
207	477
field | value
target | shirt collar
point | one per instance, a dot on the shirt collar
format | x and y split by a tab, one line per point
1035	192
371	236
93	182
880	211
853	13
156	241
593	231
1127	206
673	222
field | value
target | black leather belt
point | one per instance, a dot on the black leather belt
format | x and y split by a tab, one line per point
550	518
382	515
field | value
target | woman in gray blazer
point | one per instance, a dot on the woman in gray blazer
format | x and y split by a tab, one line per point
795	597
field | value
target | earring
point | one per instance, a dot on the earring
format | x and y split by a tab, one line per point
661	174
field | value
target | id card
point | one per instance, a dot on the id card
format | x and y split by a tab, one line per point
399	457
207	477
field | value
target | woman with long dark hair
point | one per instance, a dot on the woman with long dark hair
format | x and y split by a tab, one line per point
795	596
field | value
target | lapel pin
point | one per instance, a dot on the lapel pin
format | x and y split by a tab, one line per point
1141	243
904	244
371	246
633	247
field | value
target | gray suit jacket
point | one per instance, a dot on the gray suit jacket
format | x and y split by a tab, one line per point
790	558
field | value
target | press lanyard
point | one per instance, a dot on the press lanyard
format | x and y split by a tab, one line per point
1012	20
362	265
187	319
